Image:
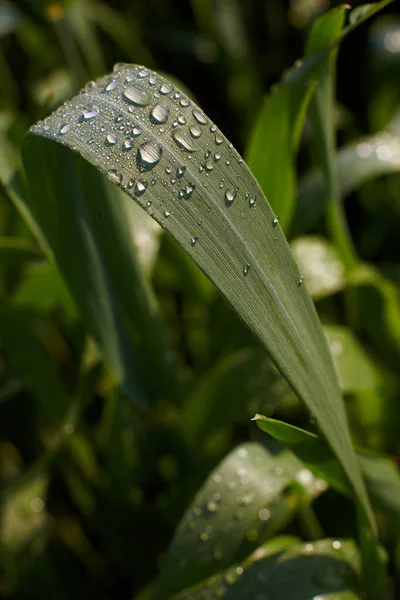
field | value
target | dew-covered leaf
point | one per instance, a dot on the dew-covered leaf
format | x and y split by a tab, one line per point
382	478
159	147
285	570
236	503
320	265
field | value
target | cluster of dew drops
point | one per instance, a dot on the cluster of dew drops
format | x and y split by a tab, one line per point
139	88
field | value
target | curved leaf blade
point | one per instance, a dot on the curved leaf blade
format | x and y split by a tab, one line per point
162	150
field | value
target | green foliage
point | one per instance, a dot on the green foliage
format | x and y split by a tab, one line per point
129	464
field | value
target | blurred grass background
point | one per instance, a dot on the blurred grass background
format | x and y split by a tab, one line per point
91	490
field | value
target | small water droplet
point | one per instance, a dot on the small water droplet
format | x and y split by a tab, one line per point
230	196
239	570
166	88
218	138
140	187
149	154
166	213
127	145
227	162
217	156
183	141
336	545
275	221
195	131
199	116
111	139
130	184
217	478
152	80
180	171
184	102
212	507
65	128
160	113
213	128
209	165
204	536
90	113
242	453
193	240
181	119
143	73
111	85
119	118
115	176
136	95
301	280
252	201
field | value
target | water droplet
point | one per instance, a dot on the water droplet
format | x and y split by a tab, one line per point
136	131
264	514
212	507
252	201
166	213
130	184
181	119
36	504
241	471
230	196
180	171
213	128
217	156
119	118
140	187
239	570
184	102
152	80
143	73
209	165
65	128
115	176
149	154
90	113
199	116
217	478
111	139
182	141
136	95
127	145
336	545
193	240
204	537
186	192
218	138
301	280
111	85
160	113
275	221
195	131
242	453
166	88
228	162
246	269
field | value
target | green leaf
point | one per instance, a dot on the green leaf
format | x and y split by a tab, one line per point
367	158
238	501
354	368
320	265
160	151
285	570
87	224
382	479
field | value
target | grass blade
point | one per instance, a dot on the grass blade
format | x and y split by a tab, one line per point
162	150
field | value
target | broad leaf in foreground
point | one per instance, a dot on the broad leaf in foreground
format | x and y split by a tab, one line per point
157	145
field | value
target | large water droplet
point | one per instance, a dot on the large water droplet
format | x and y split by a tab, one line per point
136	131
199	116
127	145
143	73
140	187
195	131
111	85
149	154
111	139
181	119
90	113
160	113
166	88
183	141
65	128
184	102
230	196
136	95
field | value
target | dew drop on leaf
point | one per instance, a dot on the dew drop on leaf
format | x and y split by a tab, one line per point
230	196
136	95
149	154
140	187
111	85
195	131
65	128
182	141
160	113
111	139
199	116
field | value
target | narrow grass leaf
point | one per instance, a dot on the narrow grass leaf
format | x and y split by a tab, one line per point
159	147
